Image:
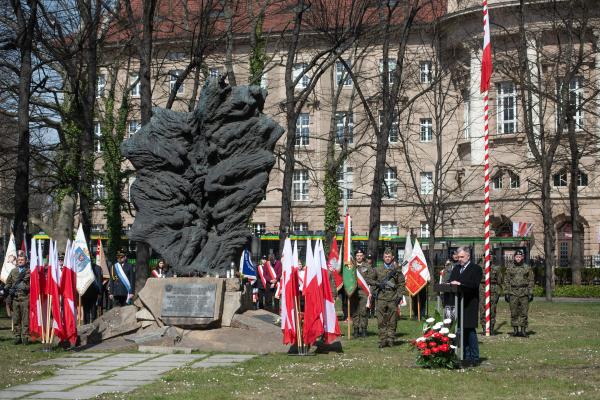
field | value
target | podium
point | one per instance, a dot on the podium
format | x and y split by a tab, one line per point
459	306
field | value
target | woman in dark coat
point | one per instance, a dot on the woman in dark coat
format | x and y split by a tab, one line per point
468	276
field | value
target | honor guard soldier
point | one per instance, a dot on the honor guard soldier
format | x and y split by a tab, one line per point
122	281
388	282
519	292
360	299
495	288
17	287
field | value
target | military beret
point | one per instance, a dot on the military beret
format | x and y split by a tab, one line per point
359	250
519	253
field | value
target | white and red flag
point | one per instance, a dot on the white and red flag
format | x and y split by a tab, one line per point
289	296
68	288
36	322
335	266
486	59
522	229
331	327
53	285
101	260
313	299
10	259
417	274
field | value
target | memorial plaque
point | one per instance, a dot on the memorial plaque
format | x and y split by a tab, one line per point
195	300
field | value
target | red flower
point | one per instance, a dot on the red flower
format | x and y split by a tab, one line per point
444	348
426	352
432	344
422	345
435	350
445	339
428	333
438	335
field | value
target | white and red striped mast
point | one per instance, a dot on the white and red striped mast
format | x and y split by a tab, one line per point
486	73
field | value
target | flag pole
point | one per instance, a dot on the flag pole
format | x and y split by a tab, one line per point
349	316
418	309
48	316
39	299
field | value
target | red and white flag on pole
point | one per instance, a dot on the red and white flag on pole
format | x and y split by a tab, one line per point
35	296
331	327
289	295
68	287
335	266
53	284
486	59
522	229
313	299
417	274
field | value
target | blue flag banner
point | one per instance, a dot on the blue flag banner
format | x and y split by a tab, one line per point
247	269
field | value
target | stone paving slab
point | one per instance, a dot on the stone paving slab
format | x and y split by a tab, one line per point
133	356
83	373
13	394
89	355
113	364
138	368
65	380
65	362
180	357
34	387
86	392
136	375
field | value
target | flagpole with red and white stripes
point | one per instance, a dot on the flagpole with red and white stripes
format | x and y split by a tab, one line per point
486	72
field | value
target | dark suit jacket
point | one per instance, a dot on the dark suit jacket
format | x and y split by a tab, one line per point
469	282
117	288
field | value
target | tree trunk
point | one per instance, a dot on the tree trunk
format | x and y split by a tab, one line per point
549	235
26	26
577	238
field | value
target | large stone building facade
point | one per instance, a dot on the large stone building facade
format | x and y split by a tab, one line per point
436	147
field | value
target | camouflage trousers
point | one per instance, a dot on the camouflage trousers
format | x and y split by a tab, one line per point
387	320
519	308
359	311
494	297
20	318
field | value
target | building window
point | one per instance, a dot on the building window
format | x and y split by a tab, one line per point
390	184
582	179
259	228
426	182
300	74
394	131
97	137
101	85
576	99
507	108
300	185
467	115
426	130
425	72
175	55
98	190
388	229
213	72
344	127
344	181
497	182
515	180
135	81
560	179
300	227
133	127
391	70
97	228
342	77
424	229
173	75
303	129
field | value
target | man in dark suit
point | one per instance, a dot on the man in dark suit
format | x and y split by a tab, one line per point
92	296
468	276
122	281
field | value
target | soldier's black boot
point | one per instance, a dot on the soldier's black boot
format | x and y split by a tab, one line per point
492	332
25	341
355	333
516	332
18	340
364	333
524	331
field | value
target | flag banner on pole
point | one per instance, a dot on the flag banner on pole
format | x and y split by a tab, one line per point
289	295
81	262
53	285
349	269
417	275
35	295
522	229
68	291
334	265
101	260
408	249
486	59
313	299
364	286
247	269
331	327
10	259
300	274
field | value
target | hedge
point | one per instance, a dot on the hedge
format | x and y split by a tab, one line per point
577	291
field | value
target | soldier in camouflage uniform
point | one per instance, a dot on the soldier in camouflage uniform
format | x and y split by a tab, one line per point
17	287
518	292
495	287
388	282
359	300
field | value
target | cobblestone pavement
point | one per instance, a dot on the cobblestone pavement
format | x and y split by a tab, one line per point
87	375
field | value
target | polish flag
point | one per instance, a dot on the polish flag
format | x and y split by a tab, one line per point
68	287
331	327
300	275
418	273
289	295
313	299
486	59
35	296
334	265
53	284
364	286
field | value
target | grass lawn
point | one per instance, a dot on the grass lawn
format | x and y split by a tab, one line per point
560	360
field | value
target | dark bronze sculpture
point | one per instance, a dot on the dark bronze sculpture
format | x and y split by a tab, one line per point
200	175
